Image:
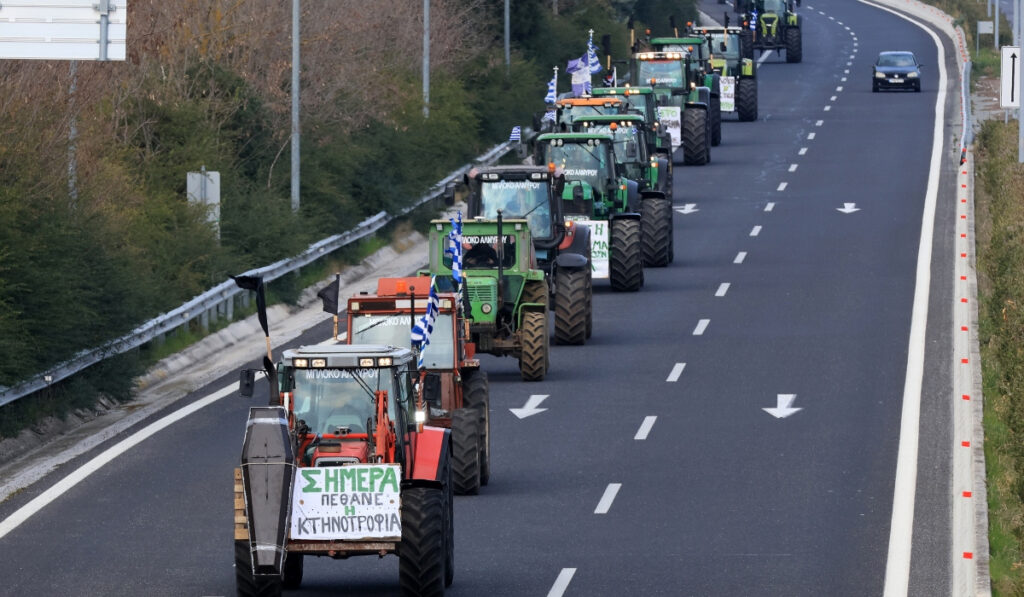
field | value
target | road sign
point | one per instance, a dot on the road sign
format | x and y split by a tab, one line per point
1009	77
63	29
985	27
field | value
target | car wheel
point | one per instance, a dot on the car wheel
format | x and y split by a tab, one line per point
874	87
917	87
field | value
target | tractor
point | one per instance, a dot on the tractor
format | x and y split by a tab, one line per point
630	134
569	108
642	100
599	195
341	464
506	291
456	391
699	72
774	25
738	75
683	106
562	247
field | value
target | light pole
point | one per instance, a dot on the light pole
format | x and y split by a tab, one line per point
295	105
426	58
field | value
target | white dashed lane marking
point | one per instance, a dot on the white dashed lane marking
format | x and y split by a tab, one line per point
606	500
827	108
783	185
793	167
677	370
819	123
701	326
645	428
722	289
810	136
769	207
740	257
562	582
755	231
803	150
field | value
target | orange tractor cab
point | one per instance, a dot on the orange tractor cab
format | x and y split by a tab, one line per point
572	108
455	389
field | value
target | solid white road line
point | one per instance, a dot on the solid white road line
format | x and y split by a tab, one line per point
677	370
897	567
793	167
782	186
701	326
740	257
606	500
645	428
770	206
722	289
562	582
755	231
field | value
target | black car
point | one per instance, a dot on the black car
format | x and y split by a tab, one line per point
896	70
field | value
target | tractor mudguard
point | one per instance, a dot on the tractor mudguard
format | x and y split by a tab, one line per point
704	95
632	195
580	244
433	445
629	215
571	261
649	194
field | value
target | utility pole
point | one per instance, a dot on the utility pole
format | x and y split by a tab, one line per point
426	58
507	58
295	105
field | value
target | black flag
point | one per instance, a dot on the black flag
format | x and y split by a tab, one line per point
329	296
255	283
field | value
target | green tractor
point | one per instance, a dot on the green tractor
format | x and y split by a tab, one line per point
599	195
699	73
774	25
506	291
738	75
562	248
683	106
629	132
641	100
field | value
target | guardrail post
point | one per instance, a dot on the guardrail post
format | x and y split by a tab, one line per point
204	320
229	309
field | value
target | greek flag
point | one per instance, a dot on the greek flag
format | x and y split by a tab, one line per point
577	67
425	326
753	21
516	134
552	95
592	61
549	115
455	248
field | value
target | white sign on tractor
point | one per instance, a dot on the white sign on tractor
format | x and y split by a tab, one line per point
600	253
671	117
1009	77
351	502
727	85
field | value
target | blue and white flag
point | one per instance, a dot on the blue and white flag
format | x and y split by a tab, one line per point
455	248
425	326
580	75
549	115
552	95
753	21
592	61
517	133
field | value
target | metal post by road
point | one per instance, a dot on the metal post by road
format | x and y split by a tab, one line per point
104	7
507	57
295	105
1019	34
426	58
996	44
73	136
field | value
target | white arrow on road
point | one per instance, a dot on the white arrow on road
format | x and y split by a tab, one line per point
689	208
848	208
530	408
784	408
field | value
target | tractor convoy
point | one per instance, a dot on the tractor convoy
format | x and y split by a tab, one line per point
368	436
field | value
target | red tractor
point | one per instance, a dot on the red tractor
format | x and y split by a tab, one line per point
341	464
455	389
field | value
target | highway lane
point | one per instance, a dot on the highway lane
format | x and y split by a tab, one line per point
720	498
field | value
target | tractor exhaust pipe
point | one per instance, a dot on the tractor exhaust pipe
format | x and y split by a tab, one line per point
268	472
501	262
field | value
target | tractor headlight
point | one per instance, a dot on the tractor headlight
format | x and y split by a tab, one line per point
486	308
384	362
320	363
911	75
300	363
364	362
421	416
879	75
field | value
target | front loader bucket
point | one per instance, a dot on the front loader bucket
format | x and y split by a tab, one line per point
268	471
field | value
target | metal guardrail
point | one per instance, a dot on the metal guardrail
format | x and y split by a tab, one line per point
225	292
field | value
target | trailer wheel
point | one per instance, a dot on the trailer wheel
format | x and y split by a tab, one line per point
626	266
746	99
656	228
476	394
466	451
246	583
292	570
571	306
422	553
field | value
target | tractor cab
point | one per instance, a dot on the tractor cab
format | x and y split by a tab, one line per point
629	134
641	100
593	186
571	108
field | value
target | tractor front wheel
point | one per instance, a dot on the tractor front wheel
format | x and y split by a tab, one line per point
746	99
715	116
476	395
656	225
590	301
794	45
695	136
248	584
570	306
466	451
626	266
422	554
533	356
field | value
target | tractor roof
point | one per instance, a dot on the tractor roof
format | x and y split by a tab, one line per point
508	169
616	91
689	39
576	136
401	286
587	101
611	118
349	356
736	30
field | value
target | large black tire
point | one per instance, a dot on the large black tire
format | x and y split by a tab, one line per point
537	292
747	44
246	583
476	394
590	302
571	306
292	570
695	139
626	266
533	355
656	224
466	451
794	45
422	554
746	99
449	512
715	116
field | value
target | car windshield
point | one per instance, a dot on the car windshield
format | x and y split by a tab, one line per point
327	399
580	161
732	45
516	199
776	6
896	60
396	330
665	73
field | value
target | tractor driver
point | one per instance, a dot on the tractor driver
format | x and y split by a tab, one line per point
331	399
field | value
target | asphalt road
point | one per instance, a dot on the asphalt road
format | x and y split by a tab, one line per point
714	496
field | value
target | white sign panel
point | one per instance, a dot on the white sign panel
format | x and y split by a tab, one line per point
204	188
600	253
985	27
1009	77
353	502
671	117
64	29
727	85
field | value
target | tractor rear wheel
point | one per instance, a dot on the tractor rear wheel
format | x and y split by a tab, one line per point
590	301
248	584
422	554
570	306
656	224
533	356
476	394
747	44
695	136
626	266
715	116
292	570
449	513
794	45
746	99
466	451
